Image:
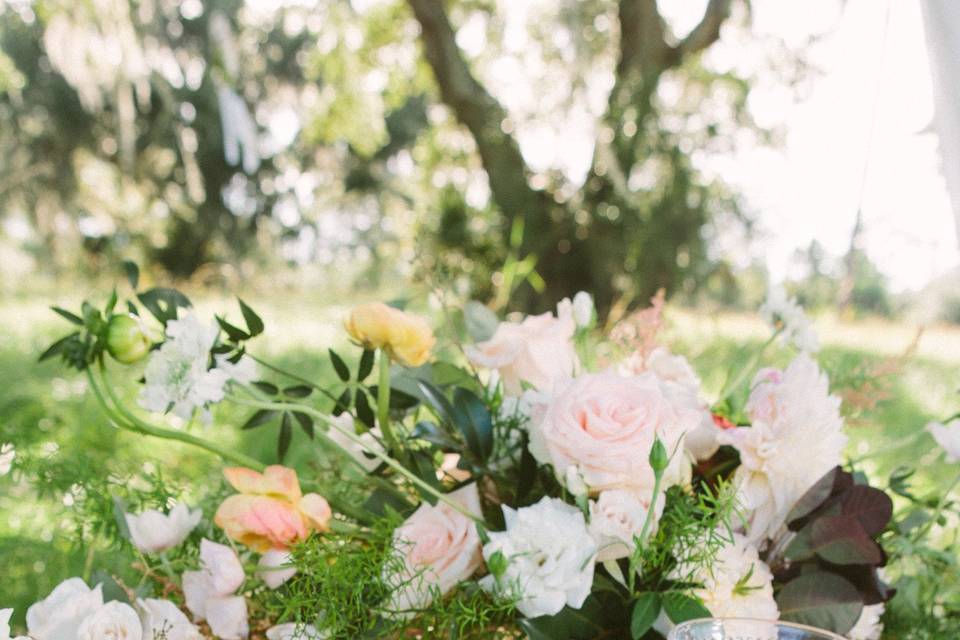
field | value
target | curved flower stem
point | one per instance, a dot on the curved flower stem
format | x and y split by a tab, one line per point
390	462
123	418
941	505
383	405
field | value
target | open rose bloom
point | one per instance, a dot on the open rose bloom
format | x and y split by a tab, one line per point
270	512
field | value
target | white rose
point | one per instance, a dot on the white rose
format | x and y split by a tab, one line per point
162	618
273	568
113	621
606	424
583	309
549	555
795	438
155	532
539	350
438	548
220	575
948	437
869	625
58	616
227	617
616	517
738	584
294	631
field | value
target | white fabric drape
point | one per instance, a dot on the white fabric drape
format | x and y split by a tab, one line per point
941	19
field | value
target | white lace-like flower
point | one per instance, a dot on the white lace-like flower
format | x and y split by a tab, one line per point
273	568
162	619
113	621
796	437
59	615
243	371
7	455
616	517
153	531
294	631
738	584
178	377
948	437
784	312
869	625
549	558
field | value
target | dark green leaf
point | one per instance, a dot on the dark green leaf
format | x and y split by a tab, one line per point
111	303
343	403
835	481
260	418
58	347
425	430
235	333
437	400
306	422
821	599
594	619
473	419
132	308
163	303
253	321
645	612
343	371
286	435
366	365
381	502
399	400
132	271
267	387
680	607
421	463
119	517
364	411
72	317
298	391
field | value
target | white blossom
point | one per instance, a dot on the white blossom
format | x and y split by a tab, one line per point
59	615
549	558
616	517
869	625
784	313
209	591
162	619
273	568
583	309
948	437
113	621
178	376
153	531
227	617
795	438
738	584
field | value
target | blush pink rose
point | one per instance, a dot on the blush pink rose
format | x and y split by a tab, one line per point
605	425
539	350
436	548
270	512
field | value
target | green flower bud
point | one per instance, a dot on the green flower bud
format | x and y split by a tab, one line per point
658	457
127	341
497	564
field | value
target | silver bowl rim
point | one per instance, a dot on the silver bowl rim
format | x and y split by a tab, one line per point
785	623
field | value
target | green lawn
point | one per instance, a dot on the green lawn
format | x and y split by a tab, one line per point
47	412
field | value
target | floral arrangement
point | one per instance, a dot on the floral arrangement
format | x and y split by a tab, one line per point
531	477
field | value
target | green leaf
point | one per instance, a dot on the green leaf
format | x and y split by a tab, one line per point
366	365
473	419
163	303
343	371
821	599
680	607
364	411
250	317
111	303
58	347
298	391
72	317
595	619
286	435
132	272
235	333
425	430
267	387
834	481
645	613
437	400
343	403
260	418
306	422
481	321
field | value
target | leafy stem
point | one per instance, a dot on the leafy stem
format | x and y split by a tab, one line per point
732	385
383	405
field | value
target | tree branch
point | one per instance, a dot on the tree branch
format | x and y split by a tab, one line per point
477	110
642	42
707	32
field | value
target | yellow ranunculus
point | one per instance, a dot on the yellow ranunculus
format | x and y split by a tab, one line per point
406	337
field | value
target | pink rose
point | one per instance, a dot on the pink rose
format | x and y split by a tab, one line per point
539	350
270	512
437	547
605	425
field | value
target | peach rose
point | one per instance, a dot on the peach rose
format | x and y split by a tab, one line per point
406	337
437	546
539	350
605	425
270	512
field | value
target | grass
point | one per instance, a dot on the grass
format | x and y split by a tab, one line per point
48	413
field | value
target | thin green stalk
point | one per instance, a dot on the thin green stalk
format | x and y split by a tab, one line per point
383	405
292	376
390	462
642	538
941	505
732	385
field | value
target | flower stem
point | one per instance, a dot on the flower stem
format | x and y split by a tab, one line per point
732	385
383	405
348	433
292	376
941	505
